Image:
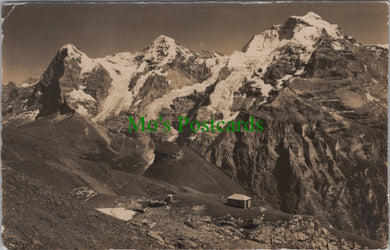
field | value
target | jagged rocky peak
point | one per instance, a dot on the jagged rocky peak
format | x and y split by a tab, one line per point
274	57
162	41
308	18
73	52
164	47
314	20
312	15
71	49
77	59
301	30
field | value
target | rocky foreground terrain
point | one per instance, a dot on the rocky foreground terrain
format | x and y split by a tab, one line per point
317	173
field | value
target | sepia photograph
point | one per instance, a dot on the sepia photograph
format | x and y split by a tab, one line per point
194	125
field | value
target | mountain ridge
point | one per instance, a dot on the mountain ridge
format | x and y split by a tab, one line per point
163	50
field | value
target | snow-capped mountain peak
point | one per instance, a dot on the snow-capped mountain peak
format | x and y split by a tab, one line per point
311	15
298	36
164	49
85	63
162	41
315	20
71	49
301	30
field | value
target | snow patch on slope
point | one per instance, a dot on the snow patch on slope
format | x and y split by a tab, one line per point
80	100
370	98
120	66
152	110
78	95
118	212
279	82
385	46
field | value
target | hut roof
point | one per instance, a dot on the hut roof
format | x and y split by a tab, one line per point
240	197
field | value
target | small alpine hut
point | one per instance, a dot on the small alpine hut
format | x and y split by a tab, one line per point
239	200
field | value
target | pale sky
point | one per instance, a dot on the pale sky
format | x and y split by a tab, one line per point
34	32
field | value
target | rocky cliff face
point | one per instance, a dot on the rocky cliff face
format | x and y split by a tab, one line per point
321	94
316	157
322	150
